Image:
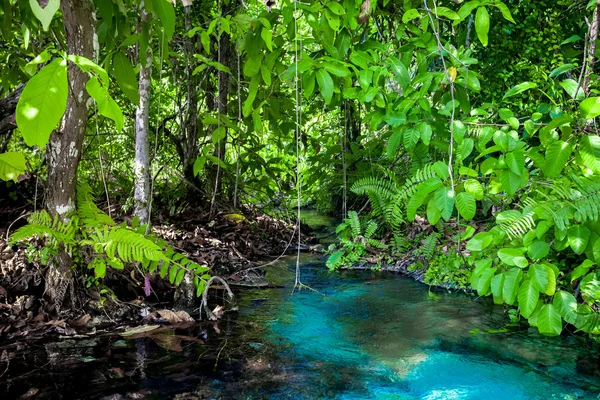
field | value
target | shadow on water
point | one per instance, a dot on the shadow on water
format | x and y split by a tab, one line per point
368	335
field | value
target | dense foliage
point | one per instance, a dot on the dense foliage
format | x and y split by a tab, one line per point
473	120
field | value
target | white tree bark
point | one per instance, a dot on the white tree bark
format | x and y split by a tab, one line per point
142	181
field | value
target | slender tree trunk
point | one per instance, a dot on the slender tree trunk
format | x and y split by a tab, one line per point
190	144
591	58
222	109
64	146
142	148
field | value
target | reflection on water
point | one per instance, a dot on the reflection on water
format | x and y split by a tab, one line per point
365	335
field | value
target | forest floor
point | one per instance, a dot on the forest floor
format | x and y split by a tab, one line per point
235	246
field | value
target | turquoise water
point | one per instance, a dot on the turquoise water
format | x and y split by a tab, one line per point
363	335
377	335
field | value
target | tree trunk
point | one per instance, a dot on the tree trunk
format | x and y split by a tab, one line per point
190	143
221	110
142	148
64	146
591	58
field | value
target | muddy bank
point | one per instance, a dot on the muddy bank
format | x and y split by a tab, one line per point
234	246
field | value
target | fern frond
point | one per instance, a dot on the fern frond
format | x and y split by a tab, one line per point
410	186
518	225
370	229
129	245
91	216
354	223
429	247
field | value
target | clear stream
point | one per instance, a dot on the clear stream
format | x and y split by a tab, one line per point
364	335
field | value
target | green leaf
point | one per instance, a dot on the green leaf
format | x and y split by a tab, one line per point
444	199
126	77
336	8
520	88
393	144
579	236
411	14
589	150
473	187
199	165
538	250
551	288
466	205
538	276
513	257
400	71
467	8
447	13
89	66
325	84
41	58
510	288
590	107
179	277
510	181
43	103
497	285
480	241
570	86
582	269
252	65
482	25
433	213
515	160
336	69
166	13
107	107
566	305
267	36
45	14
557	155
484	281
99	268
549	322
505	11
417	199
12	164
528	298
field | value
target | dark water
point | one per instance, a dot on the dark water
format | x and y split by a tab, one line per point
365	335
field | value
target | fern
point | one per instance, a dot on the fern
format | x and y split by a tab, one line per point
354	223
429	247
370	229
421	175
91	216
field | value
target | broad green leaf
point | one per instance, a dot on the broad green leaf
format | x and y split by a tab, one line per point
166	13
336	69
566	305
447	13
411	14
41	58
480	241
467	8
393	144
12	164
515	160
325	84
497	285
589	150
510	288
473	187
267	36
400	71
590	108
482	24
411	138
45	14
199	165
417	199
551	288
336	8
484	281
513	257
43	103
561	70
520	88
579	236
466	206
126	77
528	298
510	181
538	250
557	155
538	275
107	107
444	199
548	321
252	65
89	66
505	11
571	86
433	213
